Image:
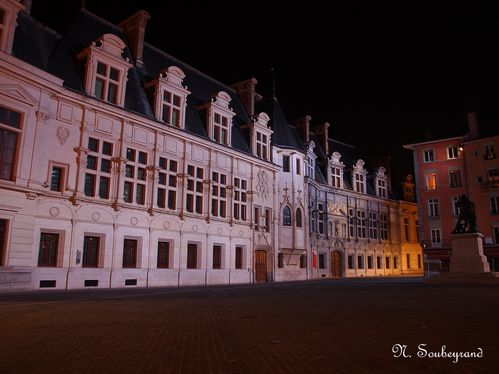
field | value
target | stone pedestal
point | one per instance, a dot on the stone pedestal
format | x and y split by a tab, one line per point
467	254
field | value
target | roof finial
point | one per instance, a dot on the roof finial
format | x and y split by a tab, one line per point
274	96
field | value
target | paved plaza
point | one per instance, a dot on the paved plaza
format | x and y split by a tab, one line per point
323	326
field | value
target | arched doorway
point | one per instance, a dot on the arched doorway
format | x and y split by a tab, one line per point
336	264
260	266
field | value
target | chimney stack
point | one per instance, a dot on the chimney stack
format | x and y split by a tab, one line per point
323	133
247	93
472	125
135	29
303	127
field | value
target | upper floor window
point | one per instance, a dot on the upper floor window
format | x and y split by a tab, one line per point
135	177
262	146
490	152
240	199
219	118
286	216
218	194
361	223
435	236
336	170
99	168
383	225
10	133
336	174
298	166
452	152
381	188
428	155
320	220
373	230
494	205
433	210
359	177
194	191
299	219
286	164
431	181
169	96
455	178
260	136
381	182
406	229
493	175
167	183
456	207
106	69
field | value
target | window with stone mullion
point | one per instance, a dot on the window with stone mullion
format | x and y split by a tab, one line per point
167	184
194	190
135	177
218	195
240	199
99	168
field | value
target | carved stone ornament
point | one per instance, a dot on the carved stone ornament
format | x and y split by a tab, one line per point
262	187
62	134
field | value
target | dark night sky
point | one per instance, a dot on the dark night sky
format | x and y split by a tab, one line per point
381	75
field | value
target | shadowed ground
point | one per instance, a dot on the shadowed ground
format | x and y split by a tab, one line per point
325	326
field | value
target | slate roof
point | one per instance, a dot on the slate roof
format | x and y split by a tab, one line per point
56	54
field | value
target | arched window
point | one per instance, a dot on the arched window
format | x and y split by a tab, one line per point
286	216
298	218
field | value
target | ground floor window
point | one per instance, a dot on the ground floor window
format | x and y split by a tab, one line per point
419	261
408	260
379	265
280	260
360	262
47	255
322	260
350	261
239	257
91	246
387	259
303	261
370	262
217	257
163	255
3	239
192	256
130	253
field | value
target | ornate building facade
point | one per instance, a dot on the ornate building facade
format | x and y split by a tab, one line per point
123	166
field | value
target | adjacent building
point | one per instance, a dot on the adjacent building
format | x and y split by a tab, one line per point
449	167
122	166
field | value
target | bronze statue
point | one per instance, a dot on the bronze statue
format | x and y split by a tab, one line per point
466	221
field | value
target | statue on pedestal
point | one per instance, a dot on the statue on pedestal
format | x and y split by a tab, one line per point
466	221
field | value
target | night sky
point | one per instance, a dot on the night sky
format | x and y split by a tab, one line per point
382	76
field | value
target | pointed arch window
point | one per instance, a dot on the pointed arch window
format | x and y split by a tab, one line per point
286	216
299	221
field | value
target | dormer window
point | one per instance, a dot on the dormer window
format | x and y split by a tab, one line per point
311	158
381	183
106	70
335	170
219	118
359	177
170	96
260	133
8	16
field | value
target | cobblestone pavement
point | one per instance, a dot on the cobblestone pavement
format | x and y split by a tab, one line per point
324	326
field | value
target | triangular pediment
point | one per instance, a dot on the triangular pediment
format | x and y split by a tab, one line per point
18	93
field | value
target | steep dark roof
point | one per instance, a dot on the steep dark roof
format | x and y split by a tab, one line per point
55	54
285	134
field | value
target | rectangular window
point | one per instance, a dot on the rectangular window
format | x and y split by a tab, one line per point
285	164
435	236
3	241
171	108
240	189
163	255
408	259
490	152
370	262
428	155
221	129
373	225
496	235
494	205
406	229
320	220
431	181
322	260
350	261
10	129
192	256
455	178
395	262
268	219
336	177
91	247
382	188
298	166
98	174
217	257
456	209
303	261
167	184
452	152
387	262
256	218
419	261
262	146
379	265
351	223
135	177
360	262
383	226
130	253
218	195
239	257
194	191
107	83
433	210
48	251
56	179
360	183
361	223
